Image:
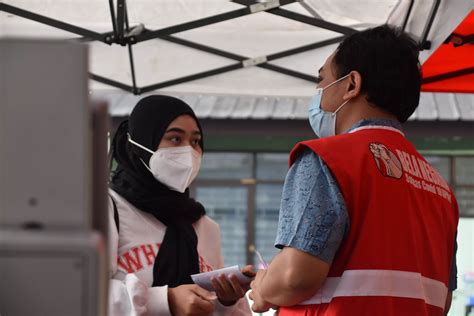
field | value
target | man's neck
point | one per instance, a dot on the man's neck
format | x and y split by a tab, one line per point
359	112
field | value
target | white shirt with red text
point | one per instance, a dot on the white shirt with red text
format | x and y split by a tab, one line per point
132	255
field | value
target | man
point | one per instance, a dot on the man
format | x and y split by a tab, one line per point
367	226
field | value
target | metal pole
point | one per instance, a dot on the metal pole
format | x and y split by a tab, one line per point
112	15
405	22
54	23
424	44
130	52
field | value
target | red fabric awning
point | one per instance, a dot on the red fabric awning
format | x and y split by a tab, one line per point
451	67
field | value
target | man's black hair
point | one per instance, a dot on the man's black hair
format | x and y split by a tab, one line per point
387	60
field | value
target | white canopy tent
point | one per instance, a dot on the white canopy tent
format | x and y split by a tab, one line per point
255	35
259	65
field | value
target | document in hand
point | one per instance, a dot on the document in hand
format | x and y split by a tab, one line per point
204	279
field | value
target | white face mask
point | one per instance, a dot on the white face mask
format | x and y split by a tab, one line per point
175	167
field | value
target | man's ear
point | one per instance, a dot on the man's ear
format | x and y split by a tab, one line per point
354	85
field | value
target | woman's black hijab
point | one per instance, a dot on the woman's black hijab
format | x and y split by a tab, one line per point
177	258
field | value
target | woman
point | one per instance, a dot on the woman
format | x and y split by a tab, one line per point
159	236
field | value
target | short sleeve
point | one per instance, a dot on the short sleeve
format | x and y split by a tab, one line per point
313	215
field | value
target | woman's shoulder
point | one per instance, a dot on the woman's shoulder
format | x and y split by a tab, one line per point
115	197
207	226
208	222
127	212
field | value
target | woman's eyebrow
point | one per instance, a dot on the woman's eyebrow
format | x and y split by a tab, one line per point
175	129
181	131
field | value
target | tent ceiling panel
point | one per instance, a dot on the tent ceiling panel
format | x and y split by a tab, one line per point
79	12
165	13
158	60
358	11
251	36
252	81
100	63
172	12
308	62
246	41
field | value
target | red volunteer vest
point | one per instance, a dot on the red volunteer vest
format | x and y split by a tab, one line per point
396	258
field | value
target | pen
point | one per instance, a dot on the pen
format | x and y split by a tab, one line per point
260	258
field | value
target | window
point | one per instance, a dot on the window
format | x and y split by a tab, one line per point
242	191
266	219
272	166
228	207
464	184
229	166
459	172
464	170
465	198
442	164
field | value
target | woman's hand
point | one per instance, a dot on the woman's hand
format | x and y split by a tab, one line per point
190	300
229	290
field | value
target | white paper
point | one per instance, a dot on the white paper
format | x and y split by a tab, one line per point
204	279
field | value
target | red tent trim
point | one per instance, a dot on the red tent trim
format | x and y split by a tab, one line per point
451	67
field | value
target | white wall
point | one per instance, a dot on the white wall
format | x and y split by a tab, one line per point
465	262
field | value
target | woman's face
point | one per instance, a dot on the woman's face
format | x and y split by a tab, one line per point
182	131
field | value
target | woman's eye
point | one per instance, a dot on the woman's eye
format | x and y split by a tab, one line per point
195	142
175	139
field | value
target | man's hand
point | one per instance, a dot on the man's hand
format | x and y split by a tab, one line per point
259	304
292	277
190	300
229	290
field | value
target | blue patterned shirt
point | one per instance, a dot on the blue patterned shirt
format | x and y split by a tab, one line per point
313	215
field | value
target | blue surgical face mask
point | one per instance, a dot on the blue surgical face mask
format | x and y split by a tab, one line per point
323	123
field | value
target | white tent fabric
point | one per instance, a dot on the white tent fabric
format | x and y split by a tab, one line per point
254	35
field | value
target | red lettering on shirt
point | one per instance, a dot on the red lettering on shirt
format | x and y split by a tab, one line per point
130	261
149	253
416	169
204	266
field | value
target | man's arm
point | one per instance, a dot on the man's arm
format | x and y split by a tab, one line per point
312	223
292	277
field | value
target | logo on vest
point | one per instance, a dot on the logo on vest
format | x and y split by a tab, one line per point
387	163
